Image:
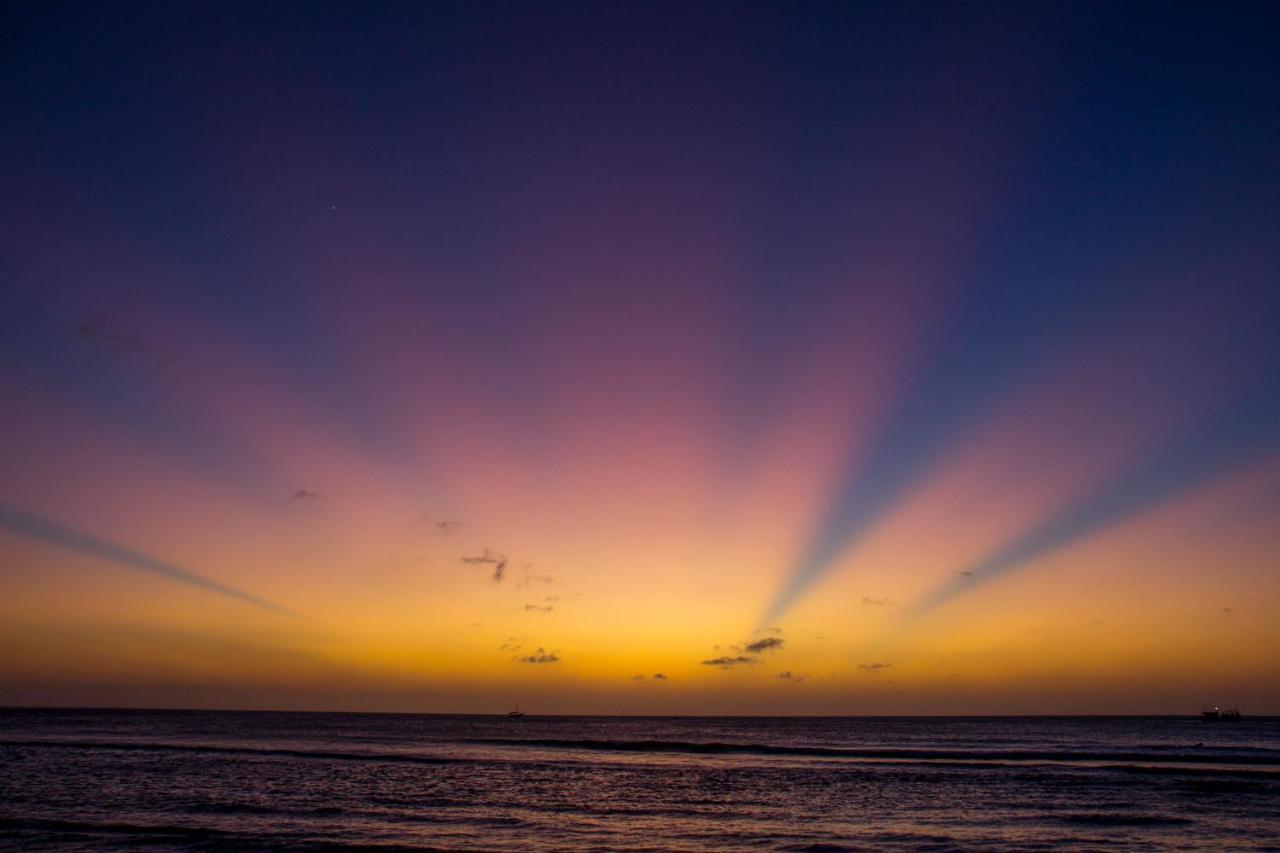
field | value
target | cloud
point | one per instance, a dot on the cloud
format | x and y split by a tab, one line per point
538	608
967	573
788	675
531	578
46	530
439	528
490	558
303	495
657	676
511	644
541	656
725	661
765	645
1227	611
637	678
873	667
878	602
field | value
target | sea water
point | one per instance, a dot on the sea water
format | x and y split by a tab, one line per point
75	779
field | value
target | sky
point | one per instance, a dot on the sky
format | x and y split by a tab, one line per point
671	358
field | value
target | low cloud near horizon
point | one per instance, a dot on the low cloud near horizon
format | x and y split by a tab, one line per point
541	656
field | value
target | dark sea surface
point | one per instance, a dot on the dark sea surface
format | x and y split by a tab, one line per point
73	779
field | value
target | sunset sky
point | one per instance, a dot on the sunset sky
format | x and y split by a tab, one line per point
760	358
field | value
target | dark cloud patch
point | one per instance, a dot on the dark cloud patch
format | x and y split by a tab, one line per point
767	644
725	662
490	558
873	667
538	608
966	573
657	676
541	656
788	675
511	644
868	601
1227	611
304	495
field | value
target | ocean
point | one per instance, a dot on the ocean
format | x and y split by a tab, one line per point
177	780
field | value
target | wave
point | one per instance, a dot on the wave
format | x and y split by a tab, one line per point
49	832
1155	761
1108	819
318	754
1263	758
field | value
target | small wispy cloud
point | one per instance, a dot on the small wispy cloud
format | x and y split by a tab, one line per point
788	675
541	656
511	644
868	601
657	676
725	662
873	667
304	495
538	608
490	558
965	574
531	577
446	528
767	644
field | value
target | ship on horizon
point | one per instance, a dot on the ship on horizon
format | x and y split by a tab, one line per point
1216	715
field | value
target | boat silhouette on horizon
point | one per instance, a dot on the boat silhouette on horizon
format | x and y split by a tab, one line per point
1216	715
